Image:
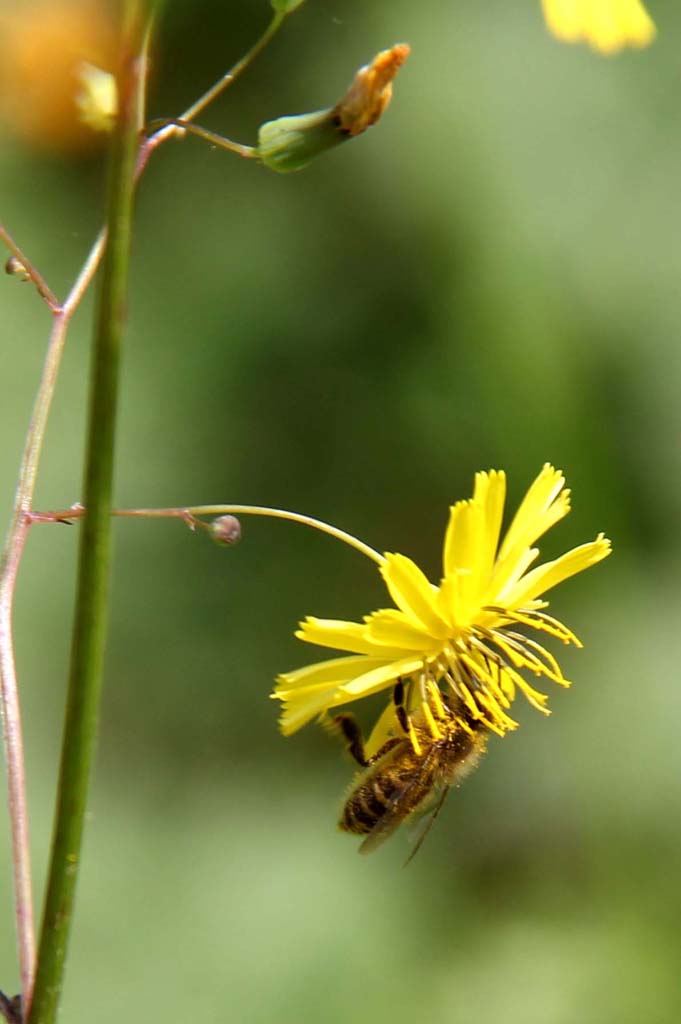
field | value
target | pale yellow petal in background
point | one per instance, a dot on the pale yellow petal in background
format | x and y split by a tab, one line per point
607	25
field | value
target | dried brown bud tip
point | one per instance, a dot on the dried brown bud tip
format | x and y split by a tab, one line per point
371	91
226	530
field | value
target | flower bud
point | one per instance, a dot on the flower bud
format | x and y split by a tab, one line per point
15	268
226	531
97	100
290	143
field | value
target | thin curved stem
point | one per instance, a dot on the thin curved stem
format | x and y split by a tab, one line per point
9	696
241	65
203	133
191	515
14	759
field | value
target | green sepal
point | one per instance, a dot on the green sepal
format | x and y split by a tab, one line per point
290	143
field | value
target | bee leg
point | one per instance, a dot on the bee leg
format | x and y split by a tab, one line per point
349	729
400	710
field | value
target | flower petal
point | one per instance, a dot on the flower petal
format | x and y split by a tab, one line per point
546	576
539	510
342	636
379	678
307	692
490	494
607	25
393	628
302	707
471	545
413	593
386	727
334	670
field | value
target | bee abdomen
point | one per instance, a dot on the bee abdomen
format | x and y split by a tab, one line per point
366	805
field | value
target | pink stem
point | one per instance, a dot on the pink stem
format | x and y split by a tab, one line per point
14	758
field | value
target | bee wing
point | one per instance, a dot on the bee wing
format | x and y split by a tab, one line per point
428	825
395	813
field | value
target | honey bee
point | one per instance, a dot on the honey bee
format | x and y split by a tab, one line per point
439	745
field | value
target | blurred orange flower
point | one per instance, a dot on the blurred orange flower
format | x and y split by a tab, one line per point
42	47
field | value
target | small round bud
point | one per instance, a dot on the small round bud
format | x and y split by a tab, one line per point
15	268
226	531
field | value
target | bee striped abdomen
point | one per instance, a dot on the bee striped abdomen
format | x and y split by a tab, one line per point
368	803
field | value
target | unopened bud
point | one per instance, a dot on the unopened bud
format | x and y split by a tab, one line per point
97	100
15	268
290	143
226	531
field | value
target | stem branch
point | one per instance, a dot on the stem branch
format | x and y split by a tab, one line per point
191	515
241	65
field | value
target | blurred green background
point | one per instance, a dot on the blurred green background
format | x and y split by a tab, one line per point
490	278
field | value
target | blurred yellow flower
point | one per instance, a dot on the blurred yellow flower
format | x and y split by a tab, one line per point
607	25
461	635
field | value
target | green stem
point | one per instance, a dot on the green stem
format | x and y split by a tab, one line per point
87	652
190	514
241	65
203	133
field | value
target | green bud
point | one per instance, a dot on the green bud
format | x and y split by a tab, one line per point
285	6
289	143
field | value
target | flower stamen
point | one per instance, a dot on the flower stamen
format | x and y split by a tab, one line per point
430	721
463	637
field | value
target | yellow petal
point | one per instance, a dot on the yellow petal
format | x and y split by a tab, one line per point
392	628
607	25
379	678
537	511
458	540
302	708
490	495
546	576
471	545
386	727
413	593
342	636
334	670
506	576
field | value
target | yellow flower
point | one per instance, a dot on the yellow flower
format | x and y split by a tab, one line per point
460	636
607	25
